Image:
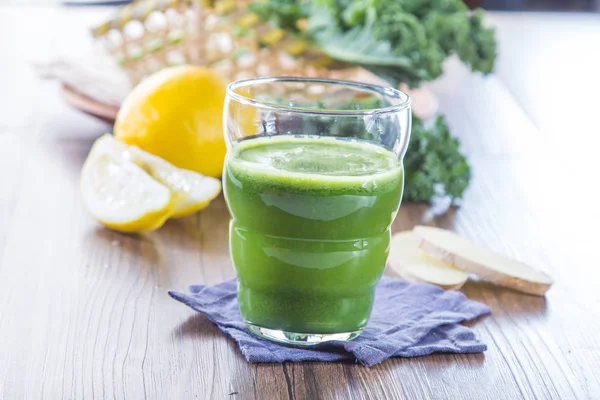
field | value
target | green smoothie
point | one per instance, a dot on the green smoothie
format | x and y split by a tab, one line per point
310	229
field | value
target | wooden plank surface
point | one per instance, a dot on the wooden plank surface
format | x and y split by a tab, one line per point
84	311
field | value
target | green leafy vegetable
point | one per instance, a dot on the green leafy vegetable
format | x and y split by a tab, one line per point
403	41
433	163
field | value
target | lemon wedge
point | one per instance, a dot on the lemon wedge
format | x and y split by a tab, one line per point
122	196
190	191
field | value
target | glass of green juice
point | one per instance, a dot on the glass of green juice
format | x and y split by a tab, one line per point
313	179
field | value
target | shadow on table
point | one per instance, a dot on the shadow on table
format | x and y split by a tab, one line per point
205	230
457	370
141	245
411	214
184	251
198	326
504	301
442	361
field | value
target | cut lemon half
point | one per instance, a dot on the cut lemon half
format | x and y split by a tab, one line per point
190	191
122	196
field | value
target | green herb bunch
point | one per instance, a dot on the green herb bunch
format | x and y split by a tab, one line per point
434	164
403	41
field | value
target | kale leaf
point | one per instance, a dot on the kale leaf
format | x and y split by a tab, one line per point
434	164
402	41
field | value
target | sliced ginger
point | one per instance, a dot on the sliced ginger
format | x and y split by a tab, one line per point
463	254
414	265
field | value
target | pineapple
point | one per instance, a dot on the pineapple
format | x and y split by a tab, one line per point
148	35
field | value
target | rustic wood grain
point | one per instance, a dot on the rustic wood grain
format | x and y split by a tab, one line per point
84	311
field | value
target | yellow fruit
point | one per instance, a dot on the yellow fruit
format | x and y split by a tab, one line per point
176	114
121	195
191	191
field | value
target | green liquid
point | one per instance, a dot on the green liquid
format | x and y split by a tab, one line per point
310	233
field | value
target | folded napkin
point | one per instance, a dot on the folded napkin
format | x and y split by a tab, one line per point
408	320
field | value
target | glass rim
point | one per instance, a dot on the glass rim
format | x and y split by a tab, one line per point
387	91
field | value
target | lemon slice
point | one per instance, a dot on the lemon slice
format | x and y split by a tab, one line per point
121	195
191	191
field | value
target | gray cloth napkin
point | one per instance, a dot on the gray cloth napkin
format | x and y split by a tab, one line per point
408	320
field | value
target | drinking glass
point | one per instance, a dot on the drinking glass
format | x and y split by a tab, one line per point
313	179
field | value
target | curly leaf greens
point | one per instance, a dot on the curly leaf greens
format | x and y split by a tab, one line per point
403	41
433	163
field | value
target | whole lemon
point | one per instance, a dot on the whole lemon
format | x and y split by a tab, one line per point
176	114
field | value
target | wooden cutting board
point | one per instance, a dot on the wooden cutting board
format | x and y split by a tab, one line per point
88	105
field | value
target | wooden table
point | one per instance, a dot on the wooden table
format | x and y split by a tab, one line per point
84	311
